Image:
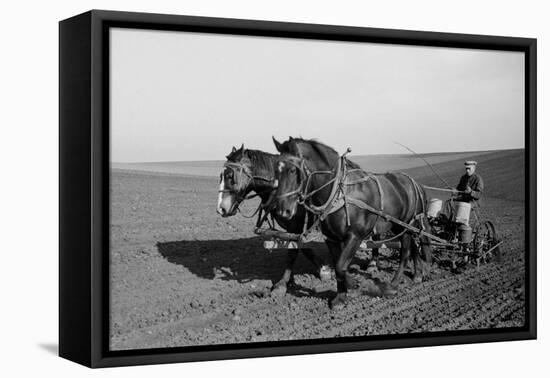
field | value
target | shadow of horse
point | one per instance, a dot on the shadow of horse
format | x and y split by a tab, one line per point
242	260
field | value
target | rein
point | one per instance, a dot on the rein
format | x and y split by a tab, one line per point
339	185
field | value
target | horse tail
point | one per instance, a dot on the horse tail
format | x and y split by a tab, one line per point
420	198
421	207
425	242
423	198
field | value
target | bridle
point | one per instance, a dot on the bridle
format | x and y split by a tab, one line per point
306	175
240	171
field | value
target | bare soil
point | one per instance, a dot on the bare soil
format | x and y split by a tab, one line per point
180	275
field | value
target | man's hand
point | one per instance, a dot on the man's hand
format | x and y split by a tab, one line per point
468	190
454	192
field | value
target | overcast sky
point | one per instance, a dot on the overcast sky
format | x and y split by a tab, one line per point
188	96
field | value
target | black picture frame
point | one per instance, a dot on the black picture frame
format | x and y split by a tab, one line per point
84	186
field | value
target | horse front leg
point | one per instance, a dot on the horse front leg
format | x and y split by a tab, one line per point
280	288
372	267
342	278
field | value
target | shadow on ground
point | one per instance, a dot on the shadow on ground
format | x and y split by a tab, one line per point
242	260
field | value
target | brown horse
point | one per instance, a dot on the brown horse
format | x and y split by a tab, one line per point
314	175
247	171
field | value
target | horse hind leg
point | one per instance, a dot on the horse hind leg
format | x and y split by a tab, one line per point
427	242
406	246
426	248
415	251
422	254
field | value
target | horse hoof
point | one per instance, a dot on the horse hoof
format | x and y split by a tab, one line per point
458	270
390	291
338	302
372	268
278	291
325	273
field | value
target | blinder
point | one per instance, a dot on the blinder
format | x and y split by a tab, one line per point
241	171
303	178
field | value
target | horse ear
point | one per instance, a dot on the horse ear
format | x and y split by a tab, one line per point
242	147
233	149
277	144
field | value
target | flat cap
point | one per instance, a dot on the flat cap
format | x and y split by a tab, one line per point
470	162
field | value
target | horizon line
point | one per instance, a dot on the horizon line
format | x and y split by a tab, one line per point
351	155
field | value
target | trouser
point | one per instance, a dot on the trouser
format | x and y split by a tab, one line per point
476	214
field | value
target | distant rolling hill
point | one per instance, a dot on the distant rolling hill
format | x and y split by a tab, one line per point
192	168
373	163
399	162
502	171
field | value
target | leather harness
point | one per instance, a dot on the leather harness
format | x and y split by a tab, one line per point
339	199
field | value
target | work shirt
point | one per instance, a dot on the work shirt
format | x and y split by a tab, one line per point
475	183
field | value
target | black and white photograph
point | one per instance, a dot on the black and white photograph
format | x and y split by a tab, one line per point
270	189
244	189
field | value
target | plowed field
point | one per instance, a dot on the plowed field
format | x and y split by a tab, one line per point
181	275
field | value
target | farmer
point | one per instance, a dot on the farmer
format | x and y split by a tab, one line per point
470	187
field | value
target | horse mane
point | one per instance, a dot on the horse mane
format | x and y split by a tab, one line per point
261	159
318	147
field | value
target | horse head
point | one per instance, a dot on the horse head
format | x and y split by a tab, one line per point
235	181
304	165
245	171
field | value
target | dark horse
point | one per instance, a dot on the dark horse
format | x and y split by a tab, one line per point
310	173
247	171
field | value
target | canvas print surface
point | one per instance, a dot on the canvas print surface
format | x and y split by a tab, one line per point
419	229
